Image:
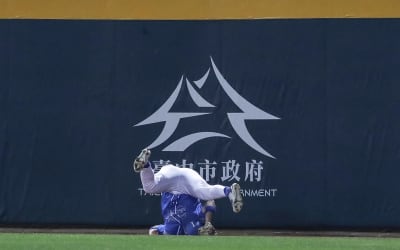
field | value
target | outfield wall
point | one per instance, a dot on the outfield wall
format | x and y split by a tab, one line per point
302	112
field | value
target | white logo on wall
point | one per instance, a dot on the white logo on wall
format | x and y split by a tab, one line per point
237	120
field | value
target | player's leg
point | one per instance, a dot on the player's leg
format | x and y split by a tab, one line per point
192	183
152	183
178	180
173	228
192	228
193	217
207	214
174	179
183	180
188	181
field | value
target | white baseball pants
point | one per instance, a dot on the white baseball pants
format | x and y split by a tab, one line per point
179	181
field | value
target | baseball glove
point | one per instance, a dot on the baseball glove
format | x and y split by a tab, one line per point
207	229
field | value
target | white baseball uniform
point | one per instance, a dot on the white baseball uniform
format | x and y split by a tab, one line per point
179	181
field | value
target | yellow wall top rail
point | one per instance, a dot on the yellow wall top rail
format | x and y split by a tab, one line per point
197	9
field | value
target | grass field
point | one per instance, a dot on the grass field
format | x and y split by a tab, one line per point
42	241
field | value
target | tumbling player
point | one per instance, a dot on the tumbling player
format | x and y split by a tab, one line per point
187	181
185	215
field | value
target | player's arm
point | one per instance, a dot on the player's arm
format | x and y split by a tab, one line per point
209	210
157	230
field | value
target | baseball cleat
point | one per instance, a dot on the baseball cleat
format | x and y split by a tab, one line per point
141	160
236	198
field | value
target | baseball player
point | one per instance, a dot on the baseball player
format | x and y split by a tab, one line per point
185	215
177	180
